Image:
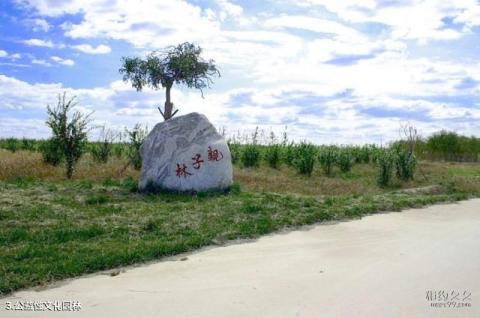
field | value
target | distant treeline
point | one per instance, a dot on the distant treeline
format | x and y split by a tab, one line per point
447	146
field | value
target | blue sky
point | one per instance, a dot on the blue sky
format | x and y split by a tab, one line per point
331	71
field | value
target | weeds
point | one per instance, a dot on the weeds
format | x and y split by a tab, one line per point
385	163
102	151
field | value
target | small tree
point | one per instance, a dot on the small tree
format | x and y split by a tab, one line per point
102	150
181	64
69	134
305	158
273	152
327	158
345	159
136	136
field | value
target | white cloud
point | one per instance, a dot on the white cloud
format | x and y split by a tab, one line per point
87	48
62	61
15	56
470	16
52	8
41	62
54	60
342	121
421	20
164	23
38	25
39	42
229	10
312	24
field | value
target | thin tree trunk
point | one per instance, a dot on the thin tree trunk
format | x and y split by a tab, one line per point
69	168
167	113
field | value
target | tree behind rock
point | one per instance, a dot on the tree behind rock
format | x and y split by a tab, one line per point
181	64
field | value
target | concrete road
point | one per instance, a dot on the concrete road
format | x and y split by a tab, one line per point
386	265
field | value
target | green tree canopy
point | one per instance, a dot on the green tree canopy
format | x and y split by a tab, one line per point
181	64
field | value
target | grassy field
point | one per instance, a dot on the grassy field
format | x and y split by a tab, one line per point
52	228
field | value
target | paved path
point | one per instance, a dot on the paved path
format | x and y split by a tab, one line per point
380	266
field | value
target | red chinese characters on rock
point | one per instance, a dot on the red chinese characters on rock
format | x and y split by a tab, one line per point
214	154
182	171
197	162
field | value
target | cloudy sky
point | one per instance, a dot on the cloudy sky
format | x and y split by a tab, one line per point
349	71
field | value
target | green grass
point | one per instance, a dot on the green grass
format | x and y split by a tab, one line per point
51	230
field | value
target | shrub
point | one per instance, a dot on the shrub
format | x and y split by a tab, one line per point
289	154
51	152
364	155
28	144
405	163
327	158
345	160
375	154
117	150
251	156
11	144
234	151
70	134
136	136
385	163
101	151
305	158
272	155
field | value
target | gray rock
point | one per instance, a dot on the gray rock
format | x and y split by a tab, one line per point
186	153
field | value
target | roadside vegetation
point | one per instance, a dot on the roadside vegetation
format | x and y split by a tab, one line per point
52	227
69	206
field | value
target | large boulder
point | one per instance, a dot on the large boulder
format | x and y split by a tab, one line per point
185	153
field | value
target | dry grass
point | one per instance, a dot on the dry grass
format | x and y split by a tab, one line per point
30	164
361	180
286	180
